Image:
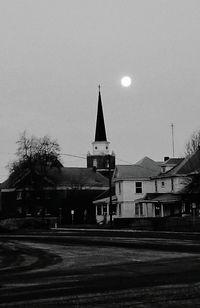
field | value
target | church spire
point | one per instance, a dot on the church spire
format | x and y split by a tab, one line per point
100	134
101	159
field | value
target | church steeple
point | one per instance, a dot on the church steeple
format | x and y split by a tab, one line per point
101	159
100	133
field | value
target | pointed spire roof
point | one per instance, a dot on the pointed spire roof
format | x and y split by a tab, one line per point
100	134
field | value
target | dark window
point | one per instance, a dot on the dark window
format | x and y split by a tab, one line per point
157	210
114	209
141	210
104	209
138	187
187	208
172	184
137	209
19	195
162	184
99	209
156	186
120	209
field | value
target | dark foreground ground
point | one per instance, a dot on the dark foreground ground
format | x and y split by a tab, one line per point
74	268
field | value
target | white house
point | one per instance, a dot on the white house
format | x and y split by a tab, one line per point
175	191
154	189
132	182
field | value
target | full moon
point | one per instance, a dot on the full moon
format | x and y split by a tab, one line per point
126	81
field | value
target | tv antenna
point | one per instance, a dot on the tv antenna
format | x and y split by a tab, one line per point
172	126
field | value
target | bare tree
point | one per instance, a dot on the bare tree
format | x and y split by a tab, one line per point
193	143
33	152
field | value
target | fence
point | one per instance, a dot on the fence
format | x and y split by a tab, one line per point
160	224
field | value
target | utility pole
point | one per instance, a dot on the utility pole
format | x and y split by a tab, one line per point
172	126
110	188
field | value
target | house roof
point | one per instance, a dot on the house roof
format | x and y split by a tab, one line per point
77	176
172	161
161	198
106	194
105	200
190	164
144	168
68	176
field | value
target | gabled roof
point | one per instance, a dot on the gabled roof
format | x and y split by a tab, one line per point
145	168
188	165
149	163
65	176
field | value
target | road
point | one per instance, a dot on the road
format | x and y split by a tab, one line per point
81	268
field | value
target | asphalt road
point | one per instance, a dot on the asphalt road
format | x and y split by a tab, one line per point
80	268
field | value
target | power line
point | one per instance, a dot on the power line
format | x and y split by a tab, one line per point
124	161
72	155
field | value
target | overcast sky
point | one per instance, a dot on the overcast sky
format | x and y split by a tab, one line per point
54	53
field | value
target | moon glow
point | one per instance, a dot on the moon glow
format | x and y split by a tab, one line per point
126	81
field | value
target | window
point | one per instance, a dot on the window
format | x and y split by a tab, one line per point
137	209
99	209
141	210
156	186
157	210
120	188
104	209
28	212
19	195
163	169
120	209
114	209
187	208
138	187
162	184
172	184
95	163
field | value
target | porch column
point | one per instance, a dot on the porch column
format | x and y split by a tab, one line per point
162	210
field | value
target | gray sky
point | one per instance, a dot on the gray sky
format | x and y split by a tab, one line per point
54	53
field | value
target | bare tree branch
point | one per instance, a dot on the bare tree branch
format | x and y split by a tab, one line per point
193	143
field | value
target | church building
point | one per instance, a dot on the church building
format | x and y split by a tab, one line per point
66	192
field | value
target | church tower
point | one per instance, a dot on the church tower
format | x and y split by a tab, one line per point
101	159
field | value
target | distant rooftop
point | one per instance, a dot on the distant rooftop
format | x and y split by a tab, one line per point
188	165
144	168
173	161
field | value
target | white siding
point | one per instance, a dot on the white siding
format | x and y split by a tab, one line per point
126	196
178	184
